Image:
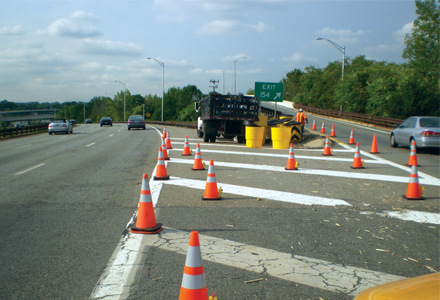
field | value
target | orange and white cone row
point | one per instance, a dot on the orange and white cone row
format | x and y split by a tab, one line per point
322	128
168	141
327	149
292	164
164	132
211	191
164	150
314	125
145	220
414	191
161	170
193	285
374	149
358	163
198	164
186	149
413	155
333	132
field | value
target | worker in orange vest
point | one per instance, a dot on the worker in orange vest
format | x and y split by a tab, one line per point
301	118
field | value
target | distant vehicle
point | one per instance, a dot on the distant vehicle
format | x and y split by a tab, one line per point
106	121
73	121
136	121
89	121
60	125
425	131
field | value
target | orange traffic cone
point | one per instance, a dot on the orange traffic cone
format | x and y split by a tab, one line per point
145	220
414	191
211	191
322	128
351	139
413	155
193	282
292	164
374	145
314	125
164	132
186	150
168	141
327	149
164	150
161	170
357	162
198	164
333	133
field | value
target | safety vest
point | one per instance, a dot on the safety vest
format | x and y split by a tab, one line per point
300	117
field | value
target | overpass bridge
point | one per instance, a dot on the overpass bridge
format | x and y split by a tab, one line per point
27	115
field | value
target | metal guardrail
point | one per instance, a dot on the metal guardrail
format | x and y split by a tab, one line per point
9	132
373	120
177	124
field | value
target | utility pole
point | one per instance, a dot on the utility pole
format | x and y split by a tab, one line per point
214	86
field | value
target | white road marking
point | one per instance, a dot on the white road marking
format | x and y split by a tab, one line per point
30	169
400	179
258	193
23	146
409	215
111	134
91	144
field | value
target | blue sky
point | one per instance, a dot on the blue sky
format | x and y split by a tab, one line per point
58	50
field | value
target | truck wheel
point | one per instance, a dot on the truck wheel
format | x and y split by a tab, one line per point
199	133
213	136
206	138
241	139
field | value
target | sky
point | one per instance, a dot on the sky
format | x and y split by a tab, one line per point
68	50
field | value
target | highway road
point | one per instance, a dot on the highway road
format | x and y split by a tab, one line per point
325	231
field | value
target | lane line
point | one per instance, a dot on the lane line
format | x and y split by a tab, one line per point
23	146
353	175
408	215
259	193
30	169
91	144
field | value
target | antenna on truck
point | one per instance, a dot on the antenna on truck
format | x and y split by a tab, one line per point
214	86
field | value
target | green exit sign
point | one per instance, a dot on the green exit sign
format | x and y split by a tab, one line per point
269	91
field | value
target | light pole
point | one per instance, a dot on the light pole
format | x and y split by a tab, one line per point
340	48
124	94
224	79
235	74
163	72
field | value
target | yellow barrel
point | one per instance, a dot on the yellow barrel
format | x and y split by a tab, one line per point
280	137
254	137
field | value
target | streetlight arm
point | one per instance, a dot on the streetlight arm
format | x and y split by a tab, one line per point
340	48
160	63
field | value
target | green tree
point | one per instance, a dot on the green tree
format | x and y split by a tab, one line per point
292	83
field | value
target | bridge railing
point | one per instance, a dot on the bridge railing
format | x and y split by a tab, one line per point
9	132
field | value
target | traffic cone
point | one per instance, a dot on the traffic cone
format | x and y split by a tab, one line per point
357	162
164	150
211	191
168	141
314	125
193	282
161	170
414	191
292	164
351	139
164	132
198	164
322	128
327	149
413	155
333	133
186	150
374	145
145	220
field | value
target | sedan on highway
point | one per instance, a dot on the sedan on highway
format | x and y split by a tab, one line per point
60	125
425	131
106	121
136	121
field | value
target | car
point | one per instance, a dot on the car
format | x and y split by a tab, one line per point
136	121
73	121
60	125
425	131
88	121
106	121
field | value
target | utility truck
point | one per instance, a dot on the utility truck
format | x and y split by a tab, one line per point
226	115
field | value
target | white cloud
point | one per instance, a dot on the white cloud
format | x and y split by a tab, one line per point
235	57
260	27
299	57
400	34
220	27
66	28
83	16
253	71
106	47
16	30
196	71
340	32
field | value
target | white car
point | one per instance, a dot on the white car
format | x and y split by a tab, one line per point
60	125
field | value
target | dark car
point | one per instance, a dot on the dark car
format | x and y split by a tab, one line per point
425	131
106	121
89	121
73	121
136	121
